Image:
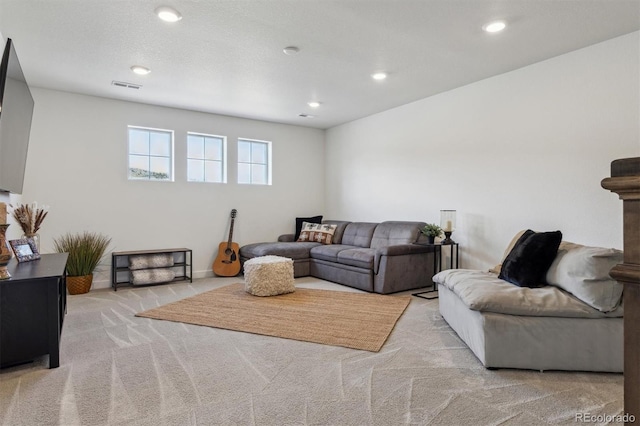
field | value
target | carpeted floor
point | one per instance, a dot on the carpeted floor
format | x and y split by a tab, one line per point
118	369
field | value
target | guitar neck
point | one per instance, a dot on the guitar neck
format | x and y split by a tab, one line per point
230	233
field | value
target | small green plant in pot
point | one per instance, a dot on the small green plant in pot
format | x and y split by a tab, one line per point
85	251
431	231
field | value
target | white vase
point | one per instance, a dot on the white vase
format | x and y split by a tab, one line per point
36	239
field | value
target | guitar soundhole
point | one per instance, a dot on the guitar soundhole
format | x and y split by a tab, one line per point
228	252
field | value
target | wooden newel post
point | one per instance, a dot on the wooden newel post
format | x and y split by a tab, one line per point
625	181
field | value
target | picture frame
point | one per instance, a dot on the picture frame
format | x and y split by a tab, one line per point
25	249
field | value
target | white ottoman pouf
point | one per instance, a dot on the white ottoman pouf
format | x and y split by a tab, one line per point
269	276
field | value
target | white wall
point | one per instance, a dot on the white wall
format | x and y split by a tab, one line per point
523	149
77	164
526	149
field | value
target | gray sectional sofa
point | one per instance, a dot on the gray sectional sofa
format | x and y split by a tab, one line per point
375	257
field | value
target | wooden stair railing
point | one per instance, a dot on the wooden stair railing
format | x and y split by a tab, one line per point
625	181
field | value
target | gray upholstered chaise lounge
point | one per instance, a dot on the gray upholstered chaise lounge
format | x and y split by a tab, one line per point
375	257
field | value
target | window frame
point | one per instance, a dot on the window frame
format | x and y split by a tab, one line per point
171	156
223	161
268	164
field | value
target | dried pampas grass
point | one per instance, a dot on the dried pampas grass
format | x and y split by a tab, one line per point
29	217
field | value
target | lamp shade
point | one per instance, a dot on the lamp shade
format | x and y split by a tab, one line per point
448	220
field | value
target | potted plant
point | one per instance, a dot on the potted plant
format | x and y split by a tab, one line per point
85	251
431	231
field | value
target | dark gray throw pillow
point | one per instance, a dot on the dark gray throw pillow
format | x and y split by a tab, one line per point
299	220
527	263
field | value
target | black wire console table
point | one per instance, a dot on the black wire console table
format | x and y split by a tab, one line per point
454	256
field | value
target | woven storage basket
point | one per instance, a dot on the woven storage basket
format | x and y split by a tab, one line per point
79	285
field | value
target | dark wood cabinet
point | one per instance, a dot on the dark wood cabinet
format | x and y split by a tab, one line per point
33	303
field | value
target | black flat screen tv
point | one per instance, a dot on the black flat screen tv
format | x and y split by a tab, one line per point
16	112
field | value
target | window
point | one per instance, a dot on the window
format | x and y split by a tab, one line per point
254	162
150	154
206	158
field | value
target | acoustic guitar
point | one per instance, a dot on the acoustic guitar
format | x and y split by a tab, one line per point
227	263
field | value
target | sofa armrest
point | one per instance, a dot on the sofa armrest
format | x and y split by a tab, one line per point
286	238
402	267
404	249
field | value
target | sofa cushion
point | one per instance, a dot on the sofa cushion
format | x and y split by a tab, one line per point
301	220
317	232
359	257
584	272
292	250
328	253
341	225
394	233
358	234
527	264
485	292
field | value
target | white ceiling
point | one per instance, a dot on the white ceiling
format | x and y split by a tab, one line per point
225	56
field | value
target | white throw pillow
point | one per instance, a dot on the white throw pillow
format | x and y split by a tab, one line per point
317	232
584	272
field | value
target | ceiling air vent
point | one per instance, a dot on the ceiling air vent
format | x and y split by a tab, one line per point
306	115
126	85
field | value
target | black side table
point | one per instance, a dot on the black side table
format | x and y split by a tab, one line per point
454	253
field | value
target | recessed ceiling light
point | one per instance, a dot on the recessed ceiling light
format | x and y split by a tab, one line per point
168	14
314	104
494	27
140	70
379	76
291	50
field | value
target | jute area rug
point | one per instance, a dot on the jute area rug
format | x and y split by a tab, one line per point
352	320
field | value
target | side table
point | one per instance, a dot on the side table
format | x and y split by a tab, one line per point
454	253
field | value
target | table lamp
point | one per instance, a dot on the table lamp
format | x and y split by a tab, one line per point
448	224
